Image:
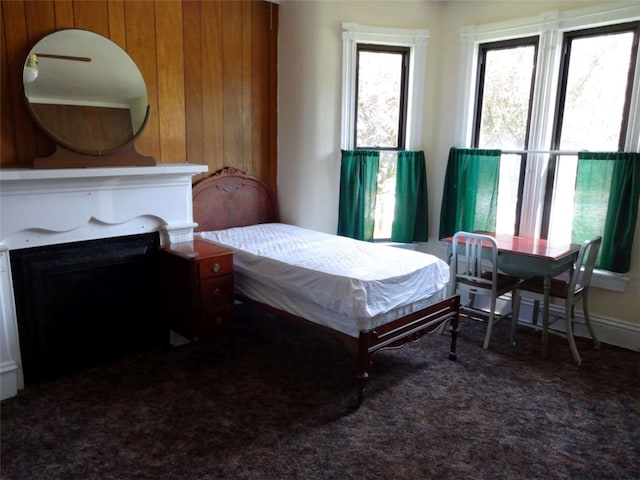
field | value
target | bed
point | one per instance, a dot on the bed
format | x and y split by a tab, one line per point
325	281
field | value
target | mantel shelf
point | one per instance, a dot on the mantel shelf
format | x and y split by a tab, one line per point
17	174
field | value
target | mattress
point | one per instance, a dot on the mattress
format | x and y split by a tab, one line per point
341	283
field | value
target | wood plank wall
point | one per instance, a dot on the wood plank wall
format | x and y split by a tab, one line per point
209	66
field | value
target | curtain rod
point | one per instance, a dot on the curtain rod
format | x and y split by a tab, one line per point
553	152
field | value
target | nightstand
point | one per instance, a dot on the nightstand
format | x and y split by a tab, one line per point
197	288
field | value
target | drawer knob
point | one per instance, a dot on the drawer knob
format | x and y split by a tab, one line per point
216	292
215	268
219	320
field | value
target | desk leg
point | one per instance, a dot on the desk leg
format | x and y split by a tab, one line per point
545	316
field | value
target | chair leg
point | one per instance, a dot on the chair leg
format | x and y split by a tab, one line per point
536	311
515	314
572	341
587	321
487	337
471	300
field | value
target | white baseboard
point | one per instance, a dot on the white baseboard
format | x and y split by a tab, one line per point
608	330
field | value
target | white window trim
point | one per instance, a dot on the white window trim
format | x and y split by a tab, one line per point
549	26
416	40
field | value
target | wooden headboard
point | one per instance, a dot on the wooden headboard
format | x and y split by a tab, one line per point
231	198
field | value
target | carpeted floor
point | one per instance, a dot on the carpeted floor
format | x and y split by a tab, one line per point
277	407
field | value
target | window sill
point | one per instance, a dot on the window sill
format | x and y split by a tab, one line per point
408	246
616	282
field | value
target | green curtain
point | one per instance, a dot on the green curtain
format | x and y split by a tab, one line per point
606	204
358	188
410	217
470	195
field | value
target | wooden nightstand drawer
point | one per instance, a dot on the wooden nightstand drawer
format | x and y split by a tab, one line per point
218	265
216	291
214	322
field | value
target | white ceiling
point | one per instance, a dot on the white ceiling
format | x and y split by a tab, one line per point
111	78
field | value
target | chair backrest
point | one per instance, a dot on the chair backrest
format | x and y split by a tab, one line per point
472	255
581	278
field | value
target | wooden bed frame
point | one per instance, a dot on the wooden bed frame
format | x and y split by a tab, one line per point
231	198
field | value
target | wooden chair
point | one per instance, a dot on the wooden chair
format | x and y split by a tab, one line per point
568	291
474	274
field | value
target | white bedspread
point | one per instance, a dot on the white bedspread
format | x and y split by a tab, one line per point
351	278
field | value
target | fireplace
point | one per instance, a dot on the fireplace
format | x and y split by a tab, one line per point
82	304
73	208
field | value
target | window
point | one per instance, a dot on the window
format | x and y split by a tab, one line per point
381	117
383	77
381	97
504	96
504	93
592	113
542	89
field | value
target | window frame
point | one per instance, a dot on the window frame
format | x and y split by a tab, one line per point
405	52
483	49
561	94
479	89
416	40
549	27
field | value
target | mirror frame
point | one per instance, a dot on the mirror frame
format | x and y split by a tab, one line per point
68	155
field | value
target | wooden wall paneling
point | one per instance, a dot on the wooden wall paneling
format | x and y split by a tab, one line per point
272	178
64	14
232	83
260	88
170	61
193	84
212	86
264	91
8	133
247	93
40	18
92	16
141	46
15	31
117	26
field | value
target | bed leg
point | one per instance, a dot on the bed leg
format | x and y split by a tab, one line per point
362	381
454	332
364	360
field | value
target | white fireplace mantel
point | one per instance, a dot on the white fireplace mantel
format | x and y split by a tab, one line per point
45	207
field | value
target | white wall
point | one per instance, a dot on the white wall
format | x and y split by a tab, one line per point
309	76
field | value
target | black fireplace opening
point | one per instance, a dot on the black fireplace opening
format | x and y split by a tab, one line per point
86	303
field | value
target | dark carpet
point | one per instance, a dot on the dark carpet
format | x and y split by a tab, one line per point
276	406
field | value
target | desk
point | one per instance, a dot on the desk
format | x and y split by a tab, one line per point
527	257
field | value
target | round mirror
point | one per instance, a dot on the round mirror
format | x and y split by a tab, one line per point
85	92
